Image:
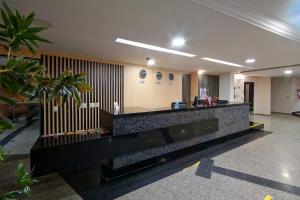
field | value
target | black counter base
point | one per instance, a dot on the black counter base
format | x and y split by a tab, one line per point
91	181
47	159
297	113
118	173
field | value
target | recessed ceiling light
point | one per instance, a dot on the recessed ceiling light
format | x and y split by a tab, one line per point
152	47
250	60
201	71
288	71
150	62
285	174
178	42
222	62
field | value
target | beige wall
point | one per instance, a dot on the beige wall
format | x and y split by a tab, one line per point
262	92
284	96
226	86
194	85
151	93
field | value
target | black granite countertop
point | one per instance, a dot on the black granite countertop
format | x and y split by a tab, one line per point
134	111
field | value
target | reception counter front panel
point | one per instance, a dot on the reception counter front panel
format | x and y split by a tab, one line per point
139	134
197	124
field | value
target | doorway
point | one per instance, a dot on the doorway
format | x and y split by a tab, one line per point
186	88
249	94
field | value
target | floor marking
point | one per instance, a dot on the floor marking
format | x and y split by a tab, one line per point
206	168
258	180
268	197
194	165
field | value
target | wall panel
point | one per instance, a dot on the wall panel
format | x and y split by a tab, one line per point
107	81
150	93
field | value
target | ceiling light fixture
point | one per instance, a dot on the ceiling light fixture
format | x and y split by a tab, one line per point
222	62
178	42
201	71
285	174
152	47
251	60
150	62
288	71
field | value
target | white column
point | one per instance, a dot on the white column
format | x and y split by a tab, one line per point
226	87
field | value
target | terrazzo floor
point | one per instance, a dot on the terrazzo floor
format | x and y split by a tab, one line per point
272	155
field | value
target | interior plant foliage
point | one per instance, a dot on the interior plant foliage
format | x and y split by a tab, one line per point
23	79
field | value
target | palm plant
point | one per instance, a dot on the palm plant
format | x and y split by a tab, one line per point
24	79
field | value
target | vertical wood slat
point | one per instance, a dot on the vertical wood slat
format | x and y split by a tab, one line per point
79	109
65	129
75	106
107	81
44	105
89	96
49	103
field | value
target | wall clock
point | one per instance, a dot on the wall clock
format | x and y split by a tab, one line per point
158	76
171	76
142	74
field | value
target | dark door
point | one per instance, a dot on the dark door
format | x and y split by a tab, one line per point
210	83
186	88
249	94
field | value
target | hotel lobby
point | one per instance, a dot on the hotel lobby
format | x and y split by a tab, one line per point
136	99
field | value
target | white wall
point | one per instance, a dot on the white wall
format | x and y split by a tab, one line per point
284	96
226	87
262	95
262	92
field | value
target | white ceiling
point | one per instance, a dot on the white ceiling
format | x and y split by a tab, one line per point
90	27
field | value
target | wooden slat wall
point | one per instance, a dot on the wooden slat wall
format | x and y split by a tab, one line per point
107	81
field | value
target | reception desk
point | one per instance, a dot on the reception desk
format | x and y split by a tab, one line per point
138	135
164	130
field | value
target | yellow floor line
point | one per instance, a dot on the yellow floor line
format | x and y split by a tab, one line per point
194	165
268	197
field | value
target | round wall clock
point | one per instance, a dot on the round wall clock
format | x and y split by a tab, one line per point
171	76
158	76
142	74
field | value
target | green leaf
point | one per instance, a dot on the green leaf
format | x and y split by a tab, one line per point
30	48
7	100
18	30
3	154
29	19
4	18
27	190
7	9
12	195
5	123
37	29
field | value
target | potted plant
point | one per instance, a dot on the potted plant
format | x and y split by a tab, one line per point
24	79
